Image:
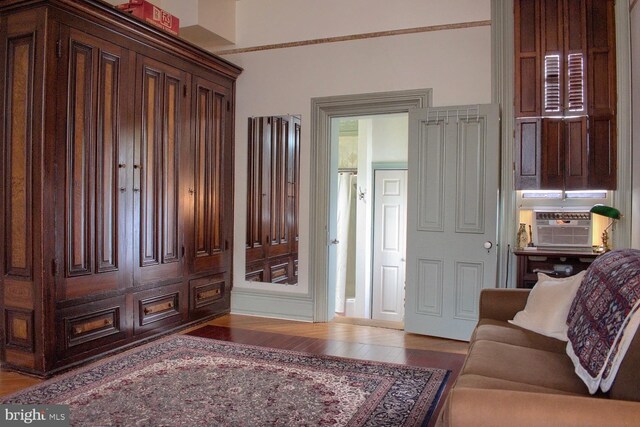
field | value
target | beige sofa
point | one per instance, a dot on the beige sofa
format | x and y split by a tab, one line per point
514	377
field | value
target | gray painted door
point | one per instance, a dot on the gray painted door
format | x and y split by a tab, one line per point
452	216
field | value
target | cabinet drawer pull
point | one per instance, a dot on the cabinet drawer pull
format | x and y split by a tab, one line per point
158	307
208	294
123	189
122	165
91	326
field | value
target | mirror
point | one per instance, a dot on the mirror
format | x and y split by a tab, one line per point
273	186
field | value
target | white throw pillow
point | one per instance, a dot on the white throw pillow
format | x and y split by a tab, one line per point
548	305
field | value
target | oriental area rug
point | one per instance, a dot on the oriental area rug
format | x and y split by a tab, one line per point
193	381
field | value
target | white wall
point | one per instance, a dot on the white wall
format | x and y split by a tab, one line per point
635	84
455	63
391	139
261	22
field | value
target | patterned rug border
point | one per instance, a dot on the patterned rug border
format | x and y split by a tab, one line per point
425	404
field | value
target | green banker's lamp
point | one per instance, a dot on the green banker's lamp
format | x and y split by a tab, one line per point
612	214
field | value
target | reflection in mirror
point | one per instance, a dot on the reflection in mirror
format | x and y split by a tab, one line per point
272	199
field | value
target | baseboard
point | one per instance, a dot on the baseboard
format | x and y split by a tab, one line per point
252	303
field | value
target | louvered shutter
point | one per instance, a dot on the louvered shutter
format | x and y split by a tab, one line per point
552	88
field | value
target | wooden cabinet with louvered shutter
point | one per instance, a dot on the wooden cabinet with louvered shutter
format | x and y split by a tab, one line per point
565	78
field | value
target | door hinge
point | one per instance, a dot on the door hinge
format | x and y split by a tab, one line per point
54	267
183	251
226	245
228	106
184	91
59	49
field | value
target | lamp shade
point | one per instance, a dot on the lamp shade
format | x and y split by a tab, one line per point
607	211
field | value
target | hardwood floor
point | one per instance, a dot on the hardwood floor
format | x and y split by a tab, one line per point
335	339
343	332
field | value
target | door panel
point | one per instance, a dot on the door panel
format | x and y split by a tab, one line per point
278	239
158	169
389	243
470	212
95	190
256	190
17	164
210	236
452	212
576	166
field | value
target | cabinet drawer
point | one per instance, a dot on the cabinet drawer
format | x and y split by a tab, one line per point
207	290
158	307
280	271
91	326
208	295
255	273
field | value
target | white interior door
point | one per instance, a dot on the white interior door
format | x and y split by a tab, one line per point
389	244
452	214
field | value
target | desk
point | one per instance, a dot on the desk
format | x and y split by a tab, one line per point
548	262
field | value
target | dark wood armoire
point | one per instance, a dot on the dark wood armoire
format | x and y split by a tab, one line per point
117	182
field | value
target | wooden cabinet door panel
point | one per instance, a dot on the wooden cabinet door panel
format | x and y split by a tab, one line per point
92	100
528	153
576	160
602	153
278	238
294	182
601	57
210	192
527	58
552	152
17	165
257	200
160	144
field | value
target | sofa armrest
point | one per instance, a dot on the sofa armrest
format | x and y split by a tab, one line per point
497	408
502	304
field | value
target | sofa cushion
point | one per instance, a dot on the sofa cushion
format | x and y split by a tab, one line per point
494	330
482	382
518	364
626	386
548	305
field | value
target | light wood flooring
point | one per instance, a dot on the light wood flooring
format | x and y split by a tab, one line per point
337	339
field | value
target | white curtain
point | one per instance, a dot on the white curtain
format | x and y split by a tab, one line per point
346	195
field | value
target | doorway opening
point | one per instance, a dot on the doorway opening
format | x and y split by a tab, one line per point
323	111
367	226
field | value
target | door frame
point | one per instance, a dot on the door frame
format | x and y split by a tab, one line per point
323	110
